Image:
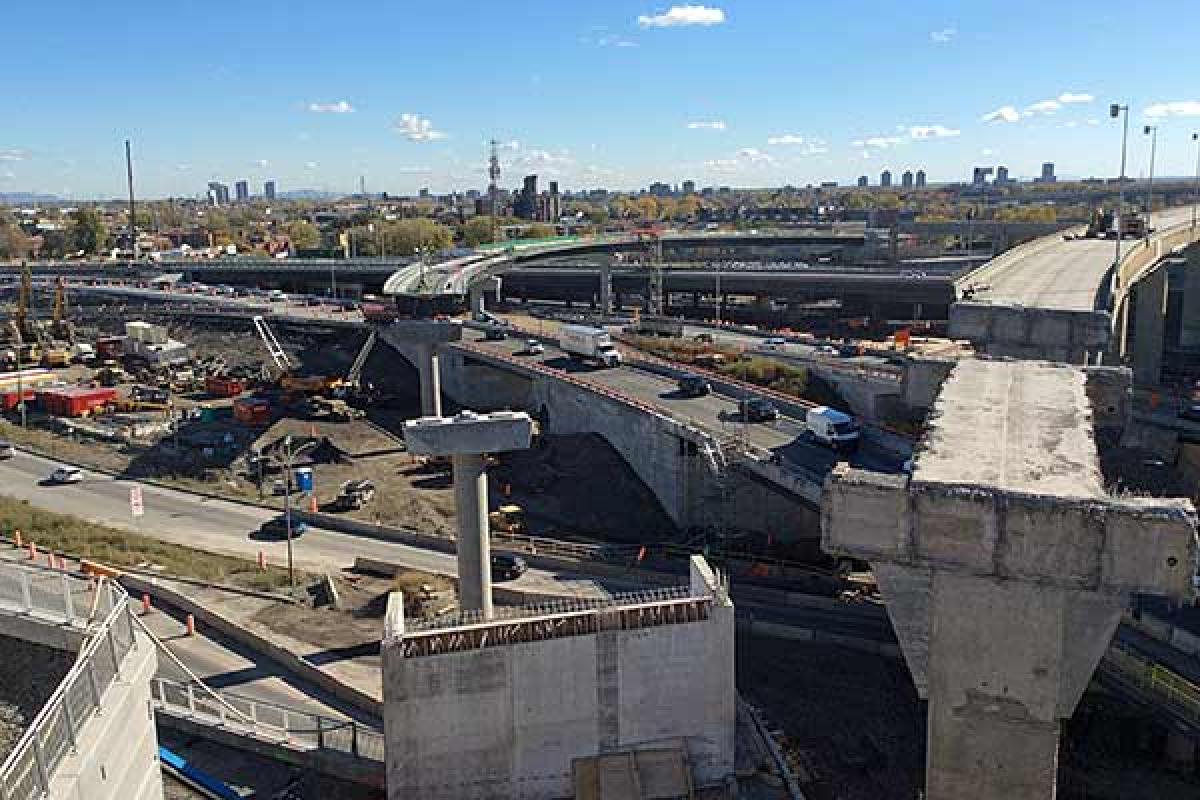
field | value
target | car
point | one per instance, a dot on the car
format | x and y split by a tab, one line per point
312	300
7	450
494	333
693	386
278	527
508	566
534	348
1191	412
774	342
66	474
757	409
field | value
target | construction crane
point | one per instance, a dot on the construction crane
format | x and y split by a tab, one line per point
311	384
282	362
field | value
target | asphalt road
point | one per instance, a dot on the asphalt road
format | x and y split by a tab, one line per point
1068	274
224	527
716	413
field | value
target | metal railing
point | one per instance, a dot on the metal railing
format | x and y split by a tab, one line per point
53	595
290	727
52	736
1179	695
461	619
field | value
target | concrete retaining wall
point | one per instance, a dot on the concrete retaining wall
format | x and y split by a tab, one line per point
1013	331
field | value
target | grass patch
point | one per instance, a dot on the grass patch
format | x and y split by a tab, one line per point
118	548
760	371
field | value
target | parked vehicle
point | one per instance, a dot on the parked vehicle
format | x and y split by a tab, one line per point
774	343
693	386
593	344
278	528
508	566
533	347
354	495
757	409
66	474
494	333
7	450
831	428
507	519
709	360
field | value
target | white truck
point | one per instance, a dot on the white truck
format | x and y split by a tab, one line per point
831	428
590	344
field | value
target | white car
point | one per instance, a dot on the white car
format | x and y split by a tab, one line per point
534	348
66	475
7	450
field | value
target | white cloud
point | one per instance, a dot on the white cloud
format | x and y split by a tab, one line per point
1067	98
880	142
183	167
414	170
1093	122
544	161
786	138
678	16
8	175
261	163
987	151
742	159
340	107
1042	107
416	129
607	40
1002	114
711	125
1175	108
13	155
932	132
310	165
944	35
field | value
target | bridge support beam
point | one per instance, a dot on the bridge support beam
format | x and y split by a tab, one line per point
466	438
424	337
606	291
1006	568
1150	315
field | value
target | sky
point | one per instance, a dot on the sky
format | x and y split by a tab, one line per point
615	94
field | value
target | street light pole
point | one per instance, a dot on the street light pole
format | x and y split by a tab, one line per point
1196	184
1114	111
718	297
1152	132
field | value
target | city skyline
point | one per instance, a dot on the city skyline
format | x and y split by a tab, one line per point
616	97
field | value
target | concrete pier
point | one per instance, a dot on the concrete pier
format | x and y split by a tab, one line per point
466	438
425	337
1006	567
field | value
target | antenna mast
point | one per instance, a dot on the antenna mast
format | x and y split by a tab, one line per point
133	247
493	176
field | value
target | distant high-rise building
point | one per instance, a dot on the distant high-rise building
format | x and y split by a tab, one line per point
218	193
1048	172
920	179
554	208
424	193
1001	176
906	180
243	191
885	178
980	175
525	204
660	189
269	190
689	187
862	181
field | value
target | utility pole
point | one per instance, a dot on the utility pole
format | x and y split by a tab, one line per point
1114	111
133	247
1152	132
493	177
1196	184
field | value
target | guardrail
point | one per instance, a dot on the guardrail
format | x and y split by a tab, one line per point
1155	681
29	768
289	727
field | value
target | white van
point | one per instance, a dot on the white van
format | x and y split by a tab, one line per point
831	428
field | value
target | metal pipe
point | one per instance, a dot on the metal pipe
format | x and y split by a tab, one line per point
1115	111
1152	130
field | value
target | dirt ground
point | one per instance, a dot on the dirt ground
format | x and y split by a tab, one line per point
357	622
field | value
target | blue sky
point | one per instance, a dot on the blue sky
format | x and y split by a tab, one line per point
617	93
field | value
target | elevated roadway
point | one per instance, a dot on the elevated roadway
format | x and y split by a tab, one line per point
1055	273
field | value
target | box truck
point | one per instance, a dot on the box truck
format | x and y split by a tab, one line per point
589	344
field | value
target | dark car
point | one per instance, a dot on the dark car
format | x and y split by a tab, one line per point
756	409
494	333
693	386
277	528
507	566
1191	412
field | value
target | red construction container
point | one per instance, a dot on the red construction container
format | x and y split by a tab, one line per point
8	400
222	386
75	401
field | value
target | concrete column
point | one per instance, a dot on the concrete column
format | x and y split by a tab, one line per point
1189	336
465	438
431	388
476	296
606	292
1150	296
473	546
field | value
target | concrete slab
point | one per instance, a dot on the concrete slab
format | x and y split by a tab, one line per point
1013	426
469	432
